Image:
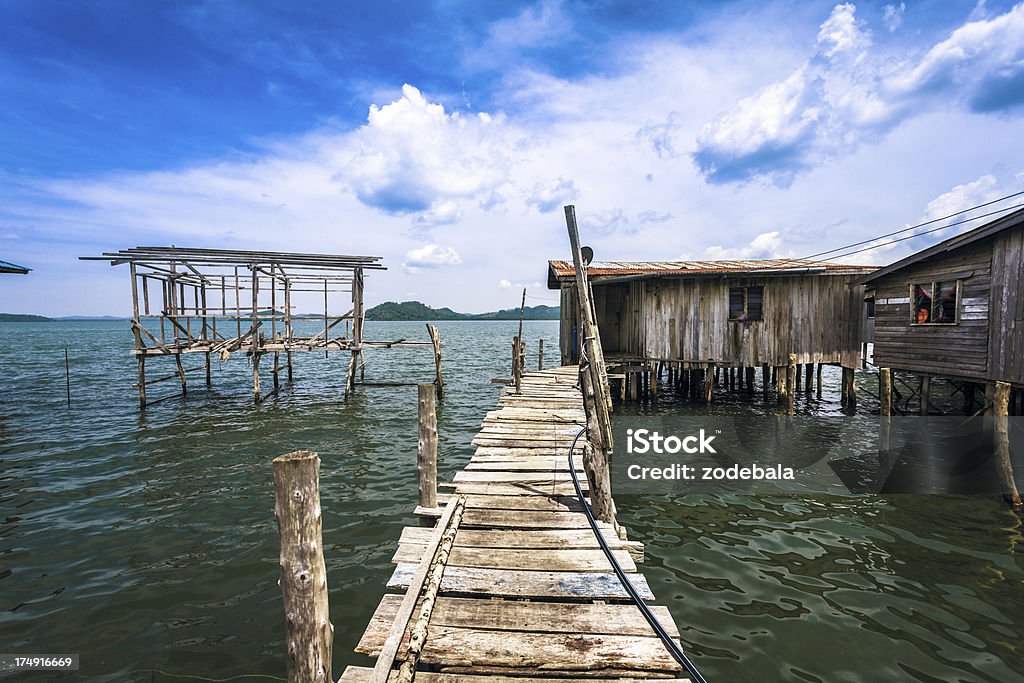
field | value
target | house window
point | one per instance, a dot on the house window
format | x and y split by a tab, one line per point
745	303
934	303
870	306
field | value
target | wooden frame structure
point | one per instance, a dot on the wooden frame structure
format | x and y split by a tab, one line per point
220	301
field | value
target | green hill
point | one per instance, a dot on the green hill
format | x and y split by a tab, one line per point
415	310
23	318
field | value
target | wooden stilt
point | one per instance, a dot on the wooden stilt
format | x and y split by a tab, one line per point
540	354
925	390
310	634
885	412
256	377
288	356
654	382
426	463
749	371
809	377
181	373
864	355
435	341
1004	467
791	378
709	386
142	381
818	382
277	370
765	379
209	376
799	377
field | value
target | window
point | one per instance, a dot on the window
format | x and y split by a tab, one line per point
745	303
934	303
870	306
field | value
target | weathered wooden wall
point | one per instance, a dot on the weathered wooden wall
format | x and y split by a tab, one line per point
1006	339
960	350
817	317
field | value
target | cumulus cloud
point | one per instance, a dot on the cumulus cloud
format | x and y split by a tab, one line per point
765	245
548	196
430	256
412	156
845	94
504	284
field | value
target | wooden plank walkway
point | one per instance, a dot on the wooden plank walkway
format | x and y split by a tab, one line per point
527	593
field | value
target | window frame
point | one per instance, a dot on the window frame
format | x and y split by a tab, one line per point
932	284
745	318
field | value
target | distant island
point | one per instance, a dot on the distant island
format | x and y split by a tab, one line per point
23	318
415	310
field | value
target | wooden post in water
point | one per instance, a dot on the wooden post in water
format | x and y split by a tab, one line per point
540	354
256	377
209	376
435	341
1004	469
310	634
791	377
818	378
142	381
517	379
925	392
885	412
709	383
766	375
426	454
181	373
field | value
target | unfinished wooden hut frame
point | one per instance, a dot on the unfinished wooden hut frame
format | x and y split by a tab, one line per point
716	322
219	301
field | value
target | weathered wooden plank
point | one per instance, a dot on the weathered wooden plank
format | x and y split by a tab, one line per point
519	489
539	559
528	584
516	615
552	503
510	475
356	674
515	538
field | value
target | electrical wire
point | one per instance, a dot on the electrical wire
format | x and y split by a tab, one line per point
916	234
673	647
921	225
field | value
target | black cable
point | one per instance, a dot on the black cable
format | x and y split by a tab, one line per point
920	225
673	647
916	234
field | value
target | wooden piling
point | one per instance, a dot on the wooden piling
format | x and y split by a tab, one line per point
142	381
809	377
765	379
435	341
426	459
1004	468
791	378
799	378
540	354
818	378
209	375
709	385
749	371
256	377
181	373
310	634
517	379
277	370
885	411
925	391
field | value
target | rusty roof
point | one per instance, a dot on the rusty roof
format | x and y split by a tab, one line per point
562	270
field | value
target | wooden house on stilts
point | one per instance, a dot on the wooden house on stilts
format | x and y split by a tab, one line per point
695	318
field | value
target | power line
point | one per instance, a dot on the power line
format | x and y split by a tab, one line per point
918	234
921	225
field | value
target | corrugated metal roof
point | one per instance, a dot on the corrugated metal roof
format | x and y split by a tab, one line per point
599	269
7	267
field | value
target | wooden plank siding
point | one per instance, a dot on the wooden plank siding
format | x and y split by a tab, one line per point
960	350
1006	340
819	317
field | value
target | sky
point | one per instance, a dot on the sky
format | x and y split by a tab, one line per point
446	136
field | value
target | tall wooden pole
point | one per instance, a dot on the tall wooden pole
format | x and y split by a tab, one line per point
435	341
426	459
310	634
791	376
540	355
595	399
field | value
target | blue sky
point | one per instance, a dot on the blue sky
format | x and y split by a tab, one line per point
446	136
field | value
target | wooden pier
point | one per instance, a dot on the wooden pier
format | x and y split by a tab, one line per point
520	590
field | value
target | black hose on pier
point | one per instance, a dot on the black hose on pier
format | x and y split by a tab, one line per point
673	647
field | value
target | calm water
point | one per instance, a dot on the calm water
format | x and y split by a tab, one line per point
146	542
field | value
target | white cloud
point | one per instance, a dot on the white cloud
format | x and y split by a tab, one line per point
504	284
764	245
845	95
550	195
430	256
412	156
